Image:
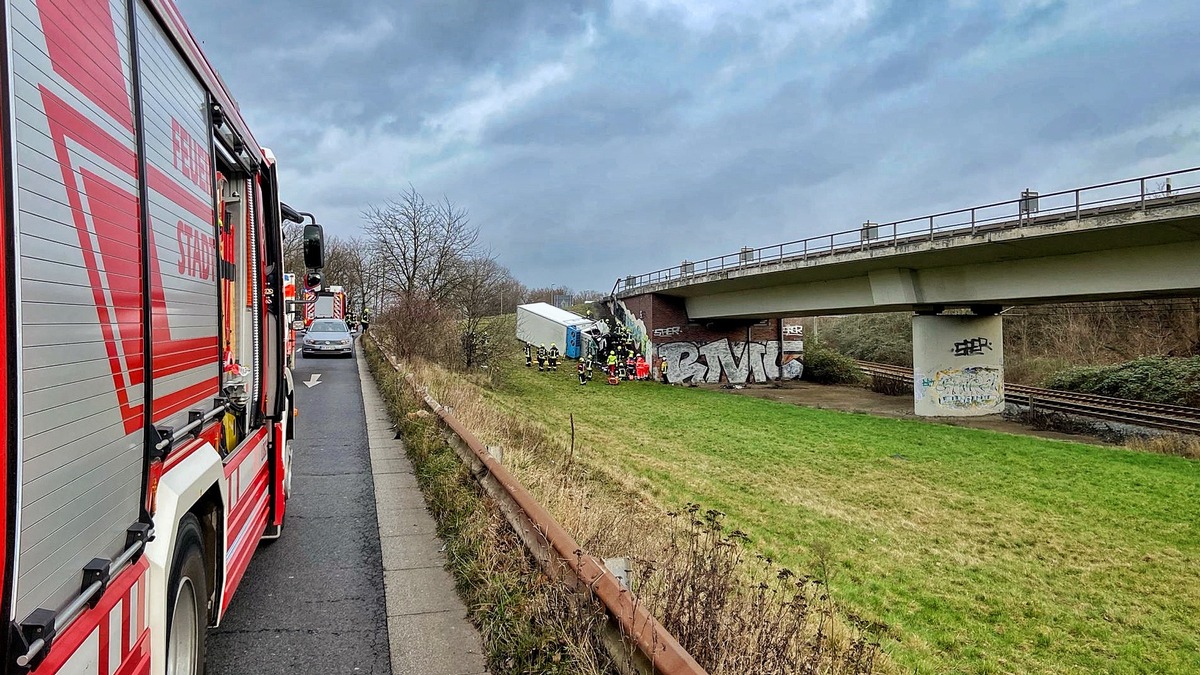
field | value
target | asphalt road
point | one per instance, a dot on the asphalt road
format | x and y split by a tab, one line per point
313	601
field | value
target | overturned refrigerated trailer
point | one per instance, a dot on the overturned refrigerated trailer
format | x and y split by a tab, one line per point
540	323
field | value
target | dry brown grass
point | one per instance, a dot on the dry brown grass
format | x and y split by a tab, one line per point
735	613
1179	445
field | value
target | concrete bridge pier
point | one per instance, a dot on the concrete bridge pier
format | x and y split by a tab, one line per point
958	363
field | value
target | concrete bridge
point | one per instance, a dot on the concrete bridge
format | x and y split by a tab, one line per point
1138	238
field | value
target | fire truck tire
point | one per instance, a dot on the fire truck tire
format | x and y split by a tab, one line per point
187	602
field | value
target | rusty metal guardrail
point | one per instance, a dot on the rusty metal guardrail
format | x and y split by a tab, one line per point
654	649
1144	192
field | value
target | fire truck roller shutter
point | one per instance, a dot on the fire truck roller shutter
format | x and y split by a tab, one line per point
80	293
183	258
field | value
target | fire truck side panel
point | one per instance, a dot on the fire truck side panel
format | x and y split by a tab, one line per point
190	471
246	474
115	632
179	169
79	292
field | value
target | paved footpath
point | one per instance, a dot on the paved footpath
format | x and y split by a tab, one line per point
324	598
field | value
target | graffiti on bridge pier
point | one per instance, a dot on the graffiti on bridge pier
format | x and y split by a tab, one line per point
972	347
965	388
732	362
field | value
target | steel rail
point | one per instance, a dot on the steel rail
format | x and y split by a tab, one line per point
927	228
557	551
1177	418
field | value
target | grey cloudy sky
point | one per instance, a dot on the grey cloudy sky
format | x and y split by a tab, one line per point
594	139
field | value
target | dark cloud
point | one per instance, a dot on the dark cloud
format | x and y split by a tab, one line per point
590	141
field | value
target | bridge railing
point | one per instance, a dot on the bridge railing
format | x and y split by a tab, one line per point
1143	192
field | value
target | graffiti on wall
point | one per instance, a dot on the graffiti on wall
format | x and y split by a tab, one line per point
635	326
668	332
972	346
964	388
732	362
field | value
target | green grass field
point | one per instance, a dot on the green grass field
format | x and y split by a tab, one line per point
970	551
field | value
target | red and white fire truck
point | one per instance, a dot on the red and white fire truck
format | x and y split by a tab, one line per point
326	304
147	404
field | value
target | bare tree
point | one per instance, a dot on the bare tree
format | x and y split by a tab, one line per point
482	279
293	248
421	246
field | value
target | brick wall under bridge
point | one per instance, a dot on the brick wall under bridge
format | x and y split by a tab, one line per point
729	351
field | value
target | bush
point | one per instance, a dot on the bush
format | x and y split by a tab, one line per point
881	338
1156	379
825	366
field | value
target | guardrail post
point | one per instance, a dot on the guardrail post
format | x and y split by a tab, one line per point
930	228
1076	204
1142	199
806	249
972	220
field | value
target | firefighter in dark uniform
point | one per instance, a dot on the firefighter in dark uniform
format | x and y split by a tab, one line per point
528	355
553	356
581	369
541	357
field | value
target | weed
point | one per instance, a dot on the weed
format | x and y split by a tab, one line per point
735	615
739	615
890	385
528	623
1180	445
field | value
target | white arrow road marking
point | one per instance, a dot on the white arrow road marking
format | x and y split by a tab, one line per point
313	380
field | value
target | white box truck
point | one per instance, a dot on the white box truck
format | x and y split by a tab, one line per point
540	323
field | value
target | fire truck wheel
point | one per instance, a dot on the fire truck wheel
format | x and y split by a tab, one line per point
187	608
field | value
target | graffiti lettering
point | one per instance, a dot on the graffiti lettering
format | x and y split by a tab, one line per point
732	362
972	347
964	388
797	330
668	332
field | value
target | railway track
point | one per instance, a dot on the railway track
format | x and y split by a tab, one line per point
1176	418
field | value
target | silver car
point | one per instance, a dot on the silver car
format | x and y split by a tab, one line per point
327	336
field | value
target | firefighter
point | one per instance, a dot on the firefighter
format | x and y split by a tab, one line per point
528	355
581	369
662	371
541	357
553	357
366	319
630	367
612	364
